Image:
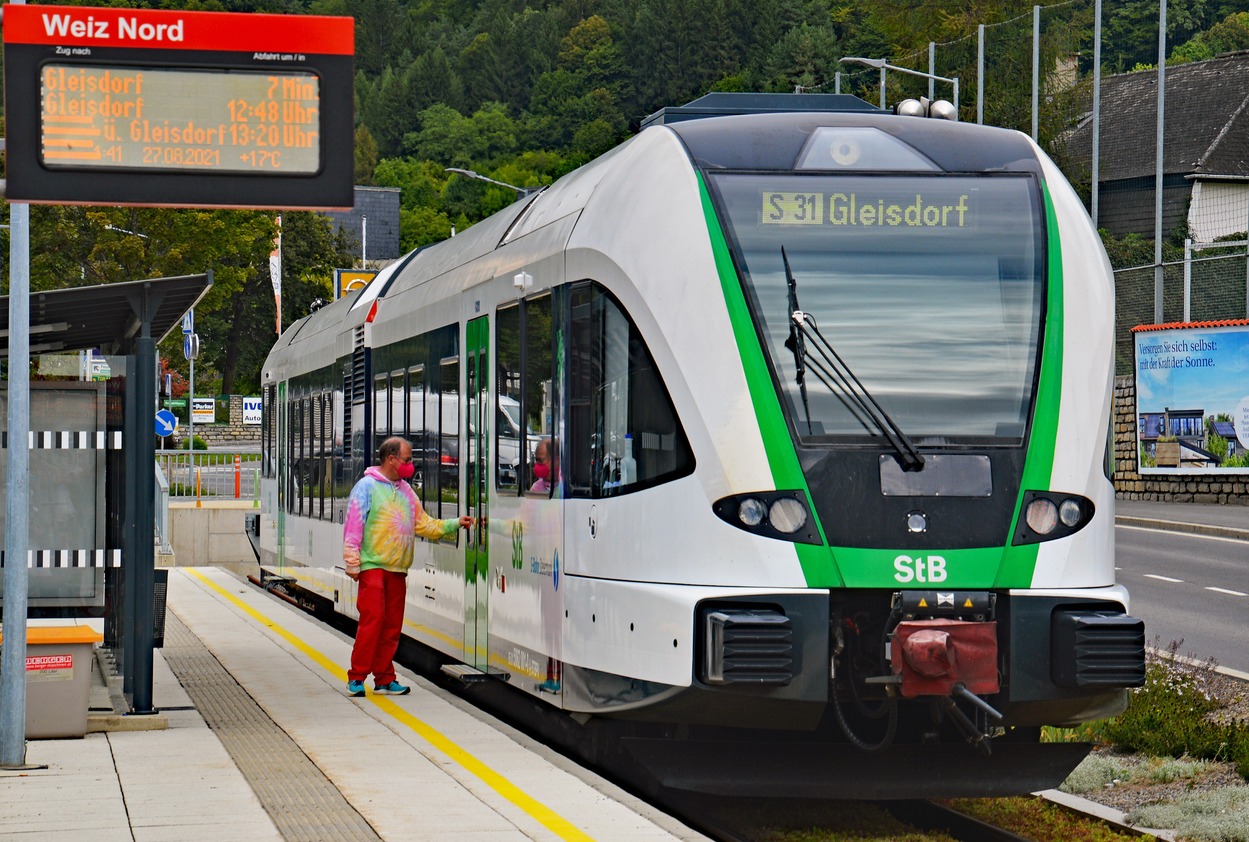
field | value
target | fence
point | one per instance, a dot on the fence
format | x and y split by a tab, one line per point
1210	284
216	476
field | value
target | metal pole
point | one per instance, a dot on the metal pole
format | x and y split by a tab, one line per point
17	504
932	70
190	409
837	82
364	242
1188	276
980	74
1097	101
1161	122
882	87
1036	67
143	553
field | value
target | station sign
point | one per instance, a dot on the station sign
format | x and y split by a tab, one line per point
108	106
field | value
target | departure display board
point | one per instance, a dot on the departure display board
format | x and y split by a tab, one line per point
123	106
160	119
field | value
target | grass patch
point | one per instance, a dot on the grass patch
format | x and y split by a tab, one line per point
1216	816
1034	818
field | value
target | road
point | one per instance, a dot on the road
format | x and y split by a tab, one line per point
1189	587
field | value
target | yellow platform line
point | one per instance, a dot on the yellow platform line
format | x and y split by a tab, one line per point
544	815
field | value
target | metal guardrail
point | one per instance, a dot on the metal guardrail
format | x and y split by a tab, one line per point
207	475
162	511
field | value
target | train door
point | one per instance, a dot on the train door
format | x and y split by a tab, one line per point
283	465
479	443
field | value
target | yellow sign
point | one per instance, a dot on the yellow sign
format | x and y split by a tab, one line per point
348	281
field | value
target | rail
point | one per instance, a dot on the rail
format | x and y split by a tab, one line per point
162	511
210	475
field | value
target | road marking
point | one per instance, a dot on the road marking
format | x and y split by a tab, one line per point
554	822
1162	578
1226	591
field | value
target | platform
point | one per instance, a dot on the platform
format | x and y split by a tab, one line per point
262	743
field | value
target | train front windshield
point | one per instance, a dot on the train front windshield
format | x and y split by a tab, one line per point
928	287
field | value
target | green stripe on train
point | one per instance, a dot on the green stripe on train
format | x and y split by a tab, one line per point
818	565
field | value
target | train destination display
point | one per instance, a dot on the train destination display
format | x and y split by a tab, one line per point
211	109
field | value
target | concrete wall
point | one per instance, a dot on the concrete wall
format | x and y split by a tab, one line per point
210	536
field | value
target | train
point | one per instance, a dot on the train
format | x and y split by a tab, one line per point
827	390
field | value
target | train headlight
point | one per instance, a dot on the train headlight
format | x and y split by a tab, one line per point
787	515
783	515
751	511
1041	516
1048	515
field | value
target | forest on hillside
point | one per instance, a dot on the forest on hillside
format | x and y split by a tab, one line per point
523	91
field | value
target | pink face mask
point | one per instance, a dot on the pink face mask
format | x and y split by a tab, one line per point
407	470
541	470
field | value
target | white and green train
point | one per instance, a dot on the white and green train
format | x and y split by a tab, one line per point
828	395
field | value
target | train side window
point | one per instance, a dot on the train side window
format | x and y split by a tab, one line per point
446	492
398	406
269	423
624	434
381	415
325	457
507	361
536	423
416	432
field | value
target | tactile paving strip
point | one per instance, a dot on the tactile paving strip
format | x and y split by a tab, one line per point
302	802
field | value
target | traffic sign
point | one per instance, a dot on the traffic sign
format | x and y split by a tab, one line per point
190	346
166	423
188	322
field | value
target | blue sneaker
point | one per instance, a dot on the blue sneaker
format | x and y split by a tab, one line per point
355	688
394	688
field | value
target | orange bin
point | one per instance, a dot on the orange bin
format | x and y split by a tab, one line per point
59	660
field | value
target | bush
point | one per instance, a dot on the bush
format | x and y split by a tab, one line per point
194	443
1171	715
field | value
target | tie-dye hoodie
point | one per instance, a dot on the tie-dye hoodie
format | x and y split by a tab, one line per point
382	518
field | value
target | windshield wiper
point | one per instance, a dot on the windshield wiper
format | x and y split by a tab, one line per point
833	372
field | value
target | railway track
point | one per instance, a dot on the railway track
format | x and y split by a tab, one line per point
726	819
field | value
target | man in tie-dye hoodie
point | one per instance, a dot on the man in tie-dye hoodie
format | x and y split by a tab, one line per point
383	515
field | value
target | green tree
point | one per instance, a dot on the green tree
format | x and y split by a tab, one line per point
1226	36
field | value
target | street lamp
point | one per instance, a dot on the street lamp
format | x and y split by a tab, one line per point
521	192
884	65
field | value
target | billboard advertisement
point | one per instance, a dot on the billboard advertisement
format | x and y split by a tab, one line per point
1192	398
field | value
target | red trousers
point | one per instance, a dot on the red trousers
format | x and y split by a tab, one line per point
380	601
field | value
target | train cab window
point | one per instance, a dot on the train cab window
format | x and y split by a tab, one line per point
624	434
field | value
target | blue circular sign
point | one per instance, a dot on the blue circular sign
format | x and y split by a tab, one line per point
166	423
